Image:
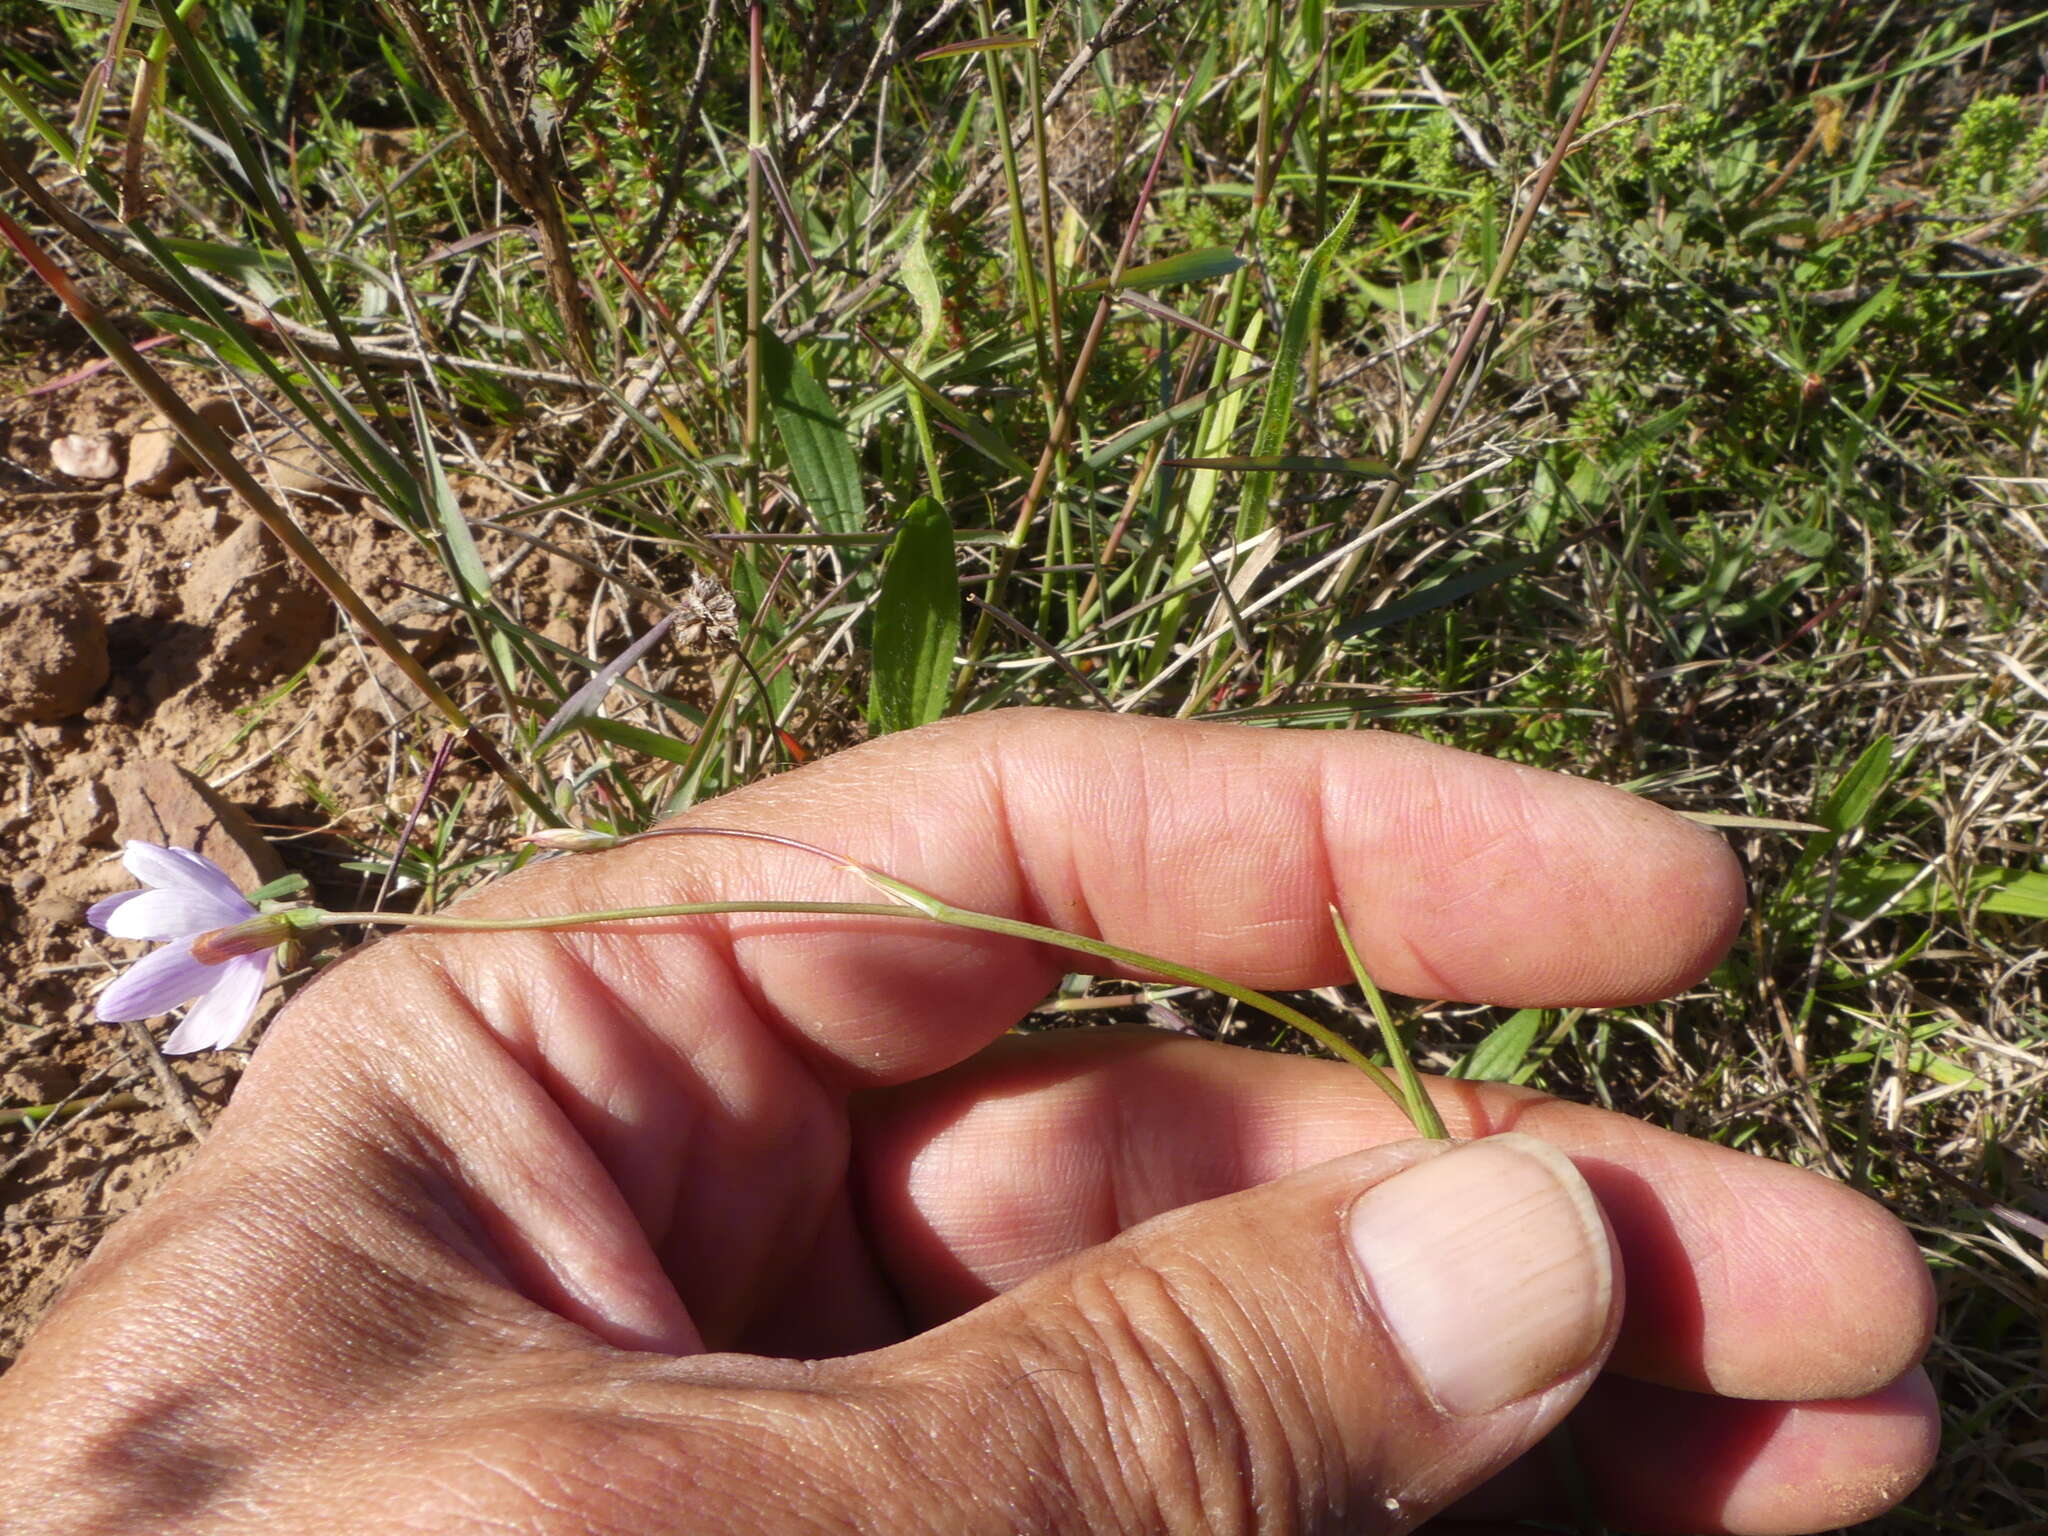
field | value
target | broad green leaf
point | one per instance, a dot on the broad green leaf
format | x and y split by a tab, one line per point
1188	267
1424	297
107	9
1864	888
923	283
1277	414
917	622
1501	1055
820	452
1786	222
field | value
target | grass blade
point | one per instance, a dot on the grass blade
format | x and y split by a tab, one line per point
1188	267
1277	414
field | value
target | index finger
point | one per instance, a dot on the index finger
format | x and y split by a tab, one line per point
1461	877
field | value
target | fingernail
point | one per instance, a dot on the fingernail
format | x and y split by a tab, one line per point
1489	1267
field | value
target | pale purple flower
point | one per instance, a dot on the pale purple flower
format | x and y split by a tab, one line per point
185	896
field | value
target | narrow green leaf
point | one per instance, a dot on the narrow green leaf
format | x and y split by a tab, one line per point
969	428
1500	1056
1846	333
1290	463
1944	1071
1277	414
231	351
1415	1098
1850	801
1188	267
1144	303
228	260
972	45
466	561
636	738
917	622
1135	437
1437	594
821	455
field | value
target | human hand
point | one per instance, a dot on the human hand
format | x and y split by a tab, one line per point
754	1223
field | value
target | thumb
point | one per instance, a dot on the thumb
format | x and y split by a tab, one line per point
1352	1347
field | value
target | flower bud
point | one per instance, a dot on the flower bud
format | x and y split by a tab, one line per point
570	840
265	931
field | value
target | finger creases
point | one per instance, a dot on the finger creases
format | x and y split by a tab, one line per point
1047	1145
1330	1349
1221	847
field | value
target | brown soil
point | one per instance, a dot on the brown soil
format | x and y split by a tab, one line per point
205	623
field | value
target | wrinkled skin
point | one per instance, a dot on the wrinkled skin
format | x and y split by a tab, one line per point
761	1223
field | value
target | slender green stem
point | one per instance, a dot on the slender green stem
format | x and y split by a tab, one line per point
913	903
1420	1109
750	441
1034	103
36	1114
1020	242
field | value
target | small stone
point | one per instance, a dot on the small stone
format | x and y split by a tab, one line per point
565	575
87	456
53	654
300	471
364	725
220	413
155	464
159	802
87	813
58	908
268	617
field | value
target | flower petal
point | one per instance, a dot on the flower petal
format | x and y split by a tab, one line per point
98	913
164	915
179	869
217	1020
156	984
